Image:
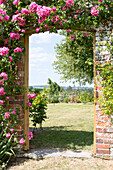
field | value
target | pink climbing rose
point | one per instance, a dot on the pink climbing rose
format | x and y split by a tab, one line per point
30	135
73	37
4	75
7	115
17	50
94	11
8	135
6	18
12	130
22	141
29	104
11	59
14	35
1	102
69	2
2	91
25	11
31	96
7	97
68	31
4	51
33	7
15	2
1	82
13	112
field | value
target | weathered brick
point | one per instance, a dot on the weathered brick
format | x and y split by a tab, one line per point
109	129
20	64
102	146
108	141
103	151
19	97
99	130
103	124
16	102
103	135
99	140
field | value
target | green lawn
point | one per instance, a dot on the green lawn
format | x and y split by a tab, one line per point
69	126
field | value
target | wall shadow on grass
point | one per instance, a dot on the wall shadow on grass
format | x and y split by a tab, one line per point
59	137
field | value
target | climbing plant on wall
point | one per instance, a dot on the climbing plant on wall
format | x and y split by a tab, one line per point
16	18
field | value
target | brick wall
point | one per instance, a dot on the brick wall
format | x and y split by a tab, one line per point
104	128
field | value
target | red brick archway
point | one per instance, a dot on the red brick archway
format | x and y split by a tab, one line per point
103	130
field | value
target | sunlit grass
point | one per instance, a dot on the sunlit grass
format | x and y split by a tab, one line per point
69	126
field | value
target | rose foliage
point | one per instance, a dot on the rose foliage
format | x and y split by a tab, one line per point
16	19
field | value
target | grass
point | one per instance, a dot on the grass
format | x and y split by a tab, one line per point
69	126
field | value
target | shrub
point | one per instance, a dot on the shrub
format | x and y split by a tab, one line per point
38	109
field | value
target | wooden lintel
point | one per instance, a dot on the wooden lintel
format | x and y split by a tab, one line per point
33	30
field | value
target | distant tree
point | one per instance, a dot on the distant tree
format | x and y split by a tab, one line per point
75	57
54	91
69	89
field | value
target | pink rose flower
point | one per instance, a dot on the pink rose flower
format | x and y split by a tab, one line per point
64	8
7	115
22	141
7	98
17	50
13	112
15	2
85	34
23	31
75	16
94	11
2	12
2	91
25	11
29	104
11	59
1	82
1	102
30	135
68	31
8	135
12	130
31	96
100	31
54	9
33	7
4	75
6	18
73	37
69	2
4	51
15	35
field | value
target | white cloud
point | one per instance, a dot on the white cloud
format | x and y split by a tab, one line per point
43	38
35	50
42	57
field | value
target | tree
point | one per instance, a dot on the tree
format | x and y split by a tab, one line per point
75	57
54	91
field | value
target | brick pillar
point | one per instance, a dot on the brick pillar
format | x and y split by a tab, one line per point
104	128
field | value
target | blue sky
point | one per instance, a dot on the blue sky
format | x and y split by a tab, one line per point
41	57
